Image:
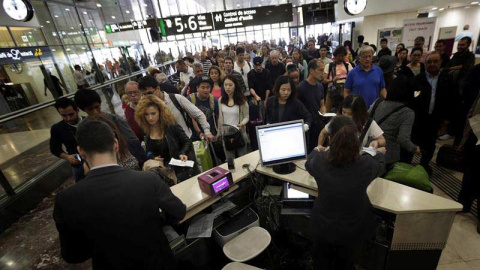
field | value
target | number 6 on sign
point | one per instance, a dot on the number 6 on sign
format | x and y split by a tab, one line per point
192	23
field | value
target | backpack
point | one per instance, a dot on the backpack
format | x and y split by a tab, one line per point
211	101
186	117
331	67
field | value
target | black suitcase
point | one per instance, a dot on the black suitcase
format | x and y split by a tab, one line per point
451	158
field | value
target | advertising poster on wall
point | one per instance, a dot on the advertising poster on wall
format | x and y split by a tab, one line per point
393	35
447	34
424	27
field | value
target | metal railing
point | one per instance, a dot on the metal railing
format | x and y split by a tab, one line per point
37	107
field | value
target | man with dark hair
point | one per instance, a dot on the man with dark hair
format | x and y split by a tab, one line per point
312	52
89	101
115	216
63	133
334	76
462	61
182	109
311	94
324	49
360	43
192	85
259	84
243	67
430	105
440	47
80	78
384	48
206	103
228	66
186	73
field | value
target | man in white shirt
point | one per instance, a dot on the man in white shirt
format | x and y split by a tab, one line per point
80	78
241	66
186	73
181	108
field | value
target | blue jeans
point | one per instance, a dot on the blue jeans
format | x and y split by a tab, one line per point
78	173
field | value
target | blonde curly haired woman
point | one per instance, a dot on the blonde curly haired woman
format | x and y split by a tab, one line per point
164	138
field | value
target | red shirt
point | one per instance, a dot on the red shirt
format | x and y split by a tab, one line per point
130	115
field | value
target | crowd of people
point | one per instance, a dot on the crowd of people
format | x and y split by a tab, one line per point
392	102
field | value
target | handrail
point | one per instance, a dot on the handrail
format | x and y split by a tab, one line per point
37	107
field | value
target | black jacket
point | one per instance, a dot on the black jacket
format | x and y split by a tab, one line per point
180	144
294	110
113	217
444	98
342	213
63	133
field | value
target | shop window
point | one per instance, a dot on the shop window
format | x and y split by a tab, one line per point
26	36
5	38
46	22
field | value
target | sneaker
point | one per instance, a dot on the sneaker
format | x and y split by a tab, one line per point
445	137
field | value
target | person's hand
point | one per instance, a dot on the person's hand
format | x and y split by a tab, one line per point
159	158
417	150
374	144
73	159
257	98
209	137
382	150
323	110
321	148
265	103
239	126
183	158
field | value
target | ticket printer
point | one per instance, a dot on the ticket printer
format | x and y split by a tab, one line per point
215	181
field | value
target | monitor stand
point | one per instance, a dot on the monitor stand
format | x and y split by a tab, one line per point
285	168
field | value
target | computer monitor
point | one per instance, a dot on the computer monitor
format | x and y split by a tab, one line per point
280	144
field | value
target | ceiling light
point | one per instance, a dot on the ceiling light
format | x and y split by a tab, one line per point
67	9
71	27
442	9
474	3
90	20
145	5
85	12
238	5
41	26
113	17
68	49
434	8
56	16
467	7
99	5
259	5
47	21
127	11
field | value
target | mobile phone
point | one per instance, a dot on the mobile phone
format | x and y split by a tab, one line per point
78	157
231	164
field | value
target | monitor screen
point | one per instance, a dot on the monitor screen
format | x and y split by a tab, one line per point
281	143
220	185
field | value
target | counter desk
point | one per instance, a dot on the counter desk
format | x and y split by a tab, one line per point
419	222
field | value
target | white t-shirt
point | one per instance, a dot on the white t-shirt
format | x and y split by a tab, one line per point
185	76
246	68
231	115
373	132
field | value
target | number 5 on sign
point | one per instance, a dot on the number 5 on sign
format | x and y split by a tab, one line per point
178	23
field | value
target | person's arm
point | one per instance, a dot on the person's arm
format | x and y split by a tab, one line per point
378	166
322	136
56	147
220	118
323	109
383	92
244	114
304	113
184	142
75	246
405	131
326	74
172	207
348	85
194	113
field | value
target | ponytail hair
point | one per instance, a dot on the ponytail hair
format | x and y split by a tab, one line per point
344	144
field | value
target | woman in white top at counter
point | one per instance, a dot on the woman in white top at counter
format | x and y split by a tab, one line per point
233	111
354	107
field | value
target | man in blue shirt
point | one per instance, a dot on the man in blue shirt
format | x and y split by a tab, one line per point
366	79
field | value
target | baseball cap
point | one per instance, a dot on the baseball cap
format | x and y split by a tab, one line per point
205	79
257	60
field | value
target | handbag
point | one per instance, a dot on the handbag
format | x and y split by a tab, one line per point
167	174
451	158
234	140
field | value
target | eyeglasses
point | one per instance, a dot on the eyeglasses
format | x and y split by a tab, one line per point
132	93
366	56
416	55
